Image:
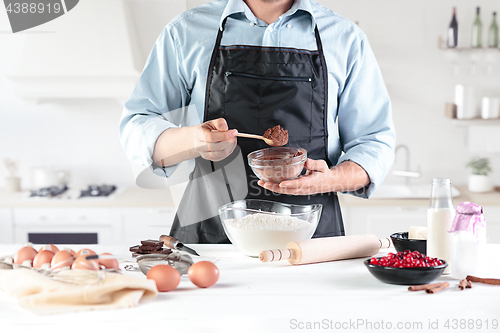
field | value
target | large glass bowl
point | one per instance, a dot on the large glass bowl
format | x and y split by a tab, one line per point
277	164
254	225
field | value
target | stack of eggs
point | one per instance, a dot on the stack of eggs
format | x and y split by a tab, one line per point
50	257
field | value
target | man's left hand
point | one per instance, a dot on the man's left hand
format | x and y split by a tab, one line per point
319	178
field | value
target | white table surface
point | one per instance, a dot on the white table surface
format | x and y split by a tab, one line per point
251	296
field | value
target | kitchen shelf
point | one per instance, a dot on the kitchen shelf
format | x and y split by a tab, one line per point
476	122
470	49
442	46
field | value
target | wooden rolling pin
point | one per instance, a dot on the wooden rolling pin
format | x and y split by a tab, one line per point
327	249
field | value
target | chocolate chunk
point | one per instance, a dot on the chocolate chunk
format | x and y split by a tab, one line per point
142	249
152	242
134	248
140	253
150	248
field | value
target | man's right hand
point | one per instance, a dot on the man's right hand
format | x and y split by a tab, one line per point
213	140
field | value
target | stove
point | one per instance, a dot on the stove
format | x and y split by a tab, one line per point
64	192
49	192
98	191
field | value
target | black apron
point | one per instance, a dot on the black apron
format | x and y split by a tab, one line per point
255	88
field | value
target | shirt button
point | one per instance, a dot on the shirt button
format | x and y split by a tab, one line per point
270	29
288	25
252	24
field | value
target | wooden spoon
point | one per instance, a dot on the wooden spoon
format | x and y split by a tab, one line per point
254	136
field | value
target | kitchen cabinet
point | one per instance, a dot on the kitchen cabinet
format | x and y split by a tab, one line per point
65	225
382	220
145	223
383	217
6	227
492	217
133	214
113	226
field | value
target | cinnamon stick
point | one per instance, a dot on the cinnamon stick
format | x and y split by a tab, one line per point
469	284
463	284
438	288
480	280
423	287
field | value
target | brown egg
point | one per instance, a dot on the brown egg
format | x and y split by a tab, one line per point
50	247
203	274
61	259
43	257
166	277
25	253
85	251
109	263
81	262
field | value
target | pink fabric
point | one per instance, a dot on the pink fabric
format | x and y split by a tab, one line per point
469	217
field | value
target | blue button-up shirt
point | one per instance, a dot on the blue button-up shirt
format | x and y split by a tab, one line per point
171	89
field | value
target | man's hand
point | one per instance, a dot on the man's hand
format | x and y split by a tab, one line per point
213	140
347	176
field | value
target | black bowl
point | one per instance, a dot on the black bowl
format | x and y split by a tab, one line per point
406	276
402	243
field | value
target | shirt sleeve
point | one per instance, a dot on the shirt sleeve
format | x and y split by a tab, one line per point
147	113
366	129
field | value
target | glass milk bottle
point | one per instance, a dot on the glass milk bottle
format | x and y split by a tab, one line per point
439	218
468	239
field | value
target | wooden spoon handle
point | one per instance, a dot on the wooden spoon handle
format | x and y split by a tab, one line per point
251	136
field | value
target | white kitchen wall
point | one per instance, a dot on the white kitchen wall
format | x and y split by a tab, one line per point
76	135
82	135
421	78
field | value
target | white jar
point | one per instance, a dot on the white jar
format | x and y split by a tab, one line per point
468	233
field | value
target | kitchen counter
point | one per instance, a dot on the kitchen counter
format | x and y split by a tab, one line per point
251	296
124	197
139	197
483	199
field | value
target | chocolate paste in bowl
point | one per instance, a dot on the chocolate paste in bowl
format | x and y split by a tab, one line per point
278	164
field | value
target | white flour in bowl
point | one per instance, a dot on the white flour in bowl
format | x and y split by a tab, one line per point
258	232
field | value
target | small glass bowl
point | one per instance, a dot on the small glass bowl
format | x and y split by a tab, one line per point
277	164
251	239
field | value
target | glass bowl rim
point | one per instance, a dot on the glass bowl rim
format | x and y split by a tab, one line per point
252	159
313	207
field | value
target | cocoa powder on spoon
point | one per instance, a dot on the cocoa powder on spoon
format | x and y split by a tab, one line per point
277	135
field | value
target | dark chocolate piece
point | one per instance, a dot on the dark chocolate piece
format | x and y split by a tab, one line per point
134	248
140	253
150	248
152	242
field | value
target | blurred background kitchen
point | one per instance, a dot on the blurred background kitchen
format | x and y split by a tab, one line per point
63	85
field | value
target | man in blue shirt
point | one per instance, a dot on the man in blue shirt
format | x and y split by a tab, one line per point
249	65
